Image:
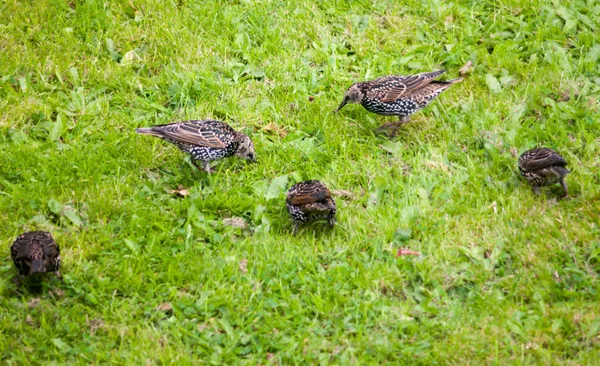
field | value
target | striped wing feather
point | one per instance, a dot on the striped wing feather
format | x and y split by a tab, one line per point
390	88
203	133
308	192
540	159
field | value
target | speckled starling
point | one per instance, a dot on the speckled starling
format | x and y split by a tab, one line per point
397	95
205	141
542	167
310	201
36	252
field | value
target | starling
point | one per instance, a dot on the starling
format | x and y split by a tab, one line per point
204	140
310	201
397	95
543	167
36	252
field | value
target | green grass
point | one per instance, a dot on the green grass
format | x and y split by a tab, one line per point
505	277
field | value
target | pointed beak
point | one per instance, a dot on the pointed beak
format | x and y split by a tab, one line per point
344	102
252	158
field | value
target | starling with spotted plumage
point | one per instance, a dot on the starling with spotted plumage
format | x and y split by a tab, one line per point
543	167
204	141
397	95
36	252
310	201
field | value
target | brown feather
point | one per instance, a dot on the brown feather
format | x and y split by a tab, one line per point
306	194
541	158
391	88
194	134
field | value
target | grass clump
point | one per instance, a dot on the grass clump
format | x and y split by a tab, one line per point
153	277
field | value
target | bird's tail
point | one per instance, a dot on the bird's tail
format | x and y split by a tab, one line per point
148	131
38	265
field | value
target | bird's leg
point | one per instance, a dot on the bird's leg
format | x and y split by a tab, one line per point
57	273
394	126
564	187
205	166
536	190
295	229
331	220
387	125
195	162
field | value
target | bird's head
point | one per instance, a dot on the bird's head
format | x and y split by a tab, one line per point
354	94
245	149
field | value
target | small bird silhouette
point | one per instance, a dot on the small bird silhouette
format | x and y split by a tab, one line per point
310	201
542	167
397	95
36	252
204	141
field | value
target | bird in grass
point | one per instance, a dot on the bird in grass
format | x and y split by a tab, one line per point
310	201
204	141
397	95
543	167
36	252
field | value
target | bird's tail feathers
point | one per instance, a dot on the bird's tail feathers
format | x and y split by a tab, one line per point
37	265
148	131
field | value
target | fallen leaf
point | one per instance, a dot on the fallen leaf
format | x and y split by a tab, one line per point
404	251
236	222
130	57
273	128
58	292
166	307
29	320
243	265
514	152
493	206
311	98
34	303
466	69
95	324
180	191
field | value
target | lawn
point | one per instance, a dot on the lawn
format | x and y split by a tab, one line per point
163	264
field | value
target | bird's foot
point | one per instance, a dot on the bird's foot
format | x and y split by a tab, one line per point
390	128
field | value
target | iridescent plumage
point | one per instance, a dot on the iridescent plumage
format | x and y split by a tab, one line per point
542	167
204	141
36	252
310	201
397	95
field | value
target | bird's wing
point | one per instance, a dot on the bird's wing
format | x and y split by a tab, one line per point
390	88
202	133
324	205
305	193
541	158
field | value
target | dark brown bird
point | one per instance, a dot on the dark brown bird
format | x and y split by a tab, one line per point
397	95
542	167
310	201
36	252
204	140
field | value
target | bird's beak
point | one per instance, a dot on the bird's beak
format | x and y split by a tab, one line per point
252	158
344	102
